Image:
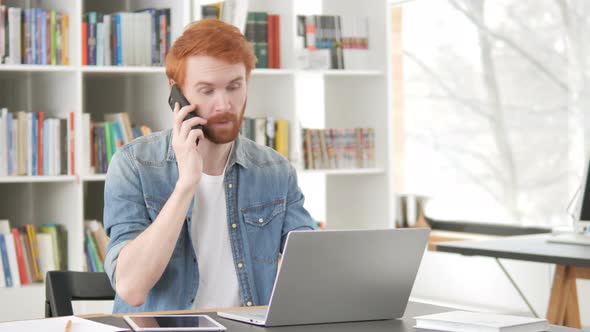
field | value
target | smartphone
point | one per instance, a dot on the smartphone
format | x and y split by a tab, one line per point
176	96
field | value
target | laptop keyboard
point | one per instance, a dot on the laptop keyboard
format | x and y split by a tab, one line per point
256	313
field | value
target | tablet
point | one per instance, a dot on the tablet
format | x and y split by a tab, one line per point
173	323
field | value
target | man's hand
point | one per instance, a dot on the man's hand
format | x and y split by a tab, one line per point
184	138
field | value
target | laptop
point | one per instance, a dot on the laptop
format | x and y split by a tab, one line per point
341	276
581	231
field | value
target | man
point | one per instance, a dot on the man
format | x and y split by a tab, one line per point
200	226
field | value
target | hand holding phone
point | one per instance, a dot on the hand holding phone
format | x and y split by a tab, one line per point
177	97
184	137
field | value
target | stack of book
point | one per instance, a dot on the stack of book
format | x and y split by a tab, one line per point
102	139
263	33
268	131
121	39
31	144
95	244
332	42
28	252
339	148
34	36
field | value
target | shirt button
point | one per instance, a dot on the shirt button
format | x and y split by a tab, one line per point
240	265
234	225
261	220
230	186
249	303
192	300
194	260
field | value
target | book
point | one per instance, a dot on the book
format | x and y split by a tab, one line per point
101	239
46	254
4	226
5	262
12	259
93	252
282	137
22	269
34	247
52	231
26	254
464	321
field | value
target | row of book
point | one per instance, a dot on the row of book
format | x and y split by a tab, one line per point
95	245
262	30
263	33
33	144
328	31
139	38
339	148
268	131
102	139
34	36
334	39
28	252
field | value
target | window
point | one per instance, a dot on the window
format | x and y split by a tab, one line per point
496	107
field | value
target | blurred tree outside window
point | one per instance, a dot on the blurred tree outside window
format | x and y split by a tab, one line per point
496	107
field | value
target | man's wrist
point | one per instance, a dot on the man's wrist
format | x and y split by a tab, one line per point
184	188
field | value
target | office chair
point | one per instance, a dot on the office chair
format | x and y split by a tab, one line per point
63	287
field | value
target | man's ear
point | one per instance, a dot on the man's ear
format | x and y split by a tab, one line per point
171	82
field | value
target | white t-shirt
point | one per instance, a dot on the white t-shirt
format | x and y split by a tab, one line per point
218	281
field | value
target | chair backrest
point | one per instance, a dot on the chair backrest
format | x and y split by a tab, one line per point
63	287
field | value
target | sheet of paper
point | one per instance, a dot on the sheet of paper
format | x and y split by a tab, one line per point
57	324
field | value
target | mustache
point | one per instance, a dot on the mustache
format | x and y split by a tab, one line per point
222	117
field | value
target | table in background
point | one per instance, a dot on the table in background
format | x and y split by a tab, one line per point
572	261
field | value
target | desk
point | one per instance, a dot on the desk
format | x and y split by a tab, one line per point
406	324
572	261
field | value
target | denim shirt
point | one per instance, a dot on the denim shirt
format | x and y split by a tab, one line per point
263	201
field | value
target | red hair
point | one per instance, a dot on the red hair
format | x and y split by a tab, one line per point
209	37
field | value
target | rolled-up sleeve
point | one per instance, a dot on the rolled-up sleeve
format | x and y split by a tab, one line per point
125	212
296	216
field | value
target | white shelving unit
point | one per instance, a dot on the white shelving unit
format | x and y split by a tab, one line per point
357	198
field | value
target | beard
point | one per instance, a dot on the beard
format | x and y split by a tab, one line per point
224	127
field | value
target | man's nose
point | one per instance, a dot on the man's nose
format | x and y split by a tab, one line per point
222	101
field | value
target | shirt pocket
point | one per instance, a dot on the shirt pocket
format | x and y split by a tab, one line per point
154	206
260	215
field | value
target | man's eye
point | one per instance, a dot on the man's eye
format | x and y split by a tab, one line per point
233	87
207	91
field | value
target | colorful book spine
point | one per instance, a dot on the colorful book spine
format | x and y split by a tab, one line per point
42	23
34	141
5	261
53	37
34	246
71	144
109	141
92	21
261	45
40	143
93	252
11	170
84	41
24	279
65	42
119	43
100	44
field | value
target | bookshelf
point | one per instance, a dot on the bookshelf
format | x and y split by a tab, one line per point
345	198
